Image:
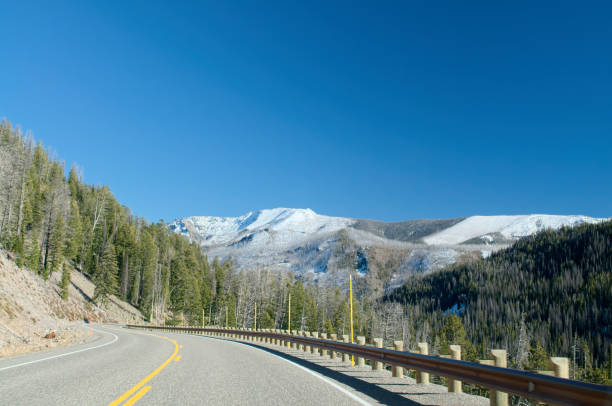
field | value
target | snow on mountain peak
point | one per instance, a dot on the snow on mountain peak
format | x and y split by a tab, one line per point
282	221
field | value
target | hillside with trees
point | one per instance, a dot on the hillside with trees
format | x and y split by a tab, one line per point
550	293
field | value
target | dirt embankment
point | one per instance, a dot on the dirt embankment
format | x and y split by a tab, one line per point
33	315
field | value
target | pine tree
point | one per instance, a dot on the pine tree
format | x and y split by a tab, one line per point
105	277
75	238
19	249
58	246
65	281
34	256
538	358
522	352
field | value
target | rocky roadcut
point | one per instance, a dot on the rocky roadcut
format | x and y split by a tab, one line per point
33	315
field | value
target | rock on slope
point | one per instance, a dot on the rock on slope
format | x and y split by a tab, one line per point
31	308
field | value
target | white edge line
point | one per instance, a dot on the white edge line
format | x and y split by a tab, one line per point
65	354
321	377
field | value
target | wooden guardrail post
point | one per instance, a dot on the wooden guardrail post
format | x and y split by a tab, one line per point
398	371
314	334
500	359
345	357
423	377
377	365
560	366
453	384
323	351
492	393
294	345
307	346
360	360
332	353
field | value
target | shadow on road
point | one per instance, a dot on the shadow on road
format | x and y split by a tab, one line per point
380	394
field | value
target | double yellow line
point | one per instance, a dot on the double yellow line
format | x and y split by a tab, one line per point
139	388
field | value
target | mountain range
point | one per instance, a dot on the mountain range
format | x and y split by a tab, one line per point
318	246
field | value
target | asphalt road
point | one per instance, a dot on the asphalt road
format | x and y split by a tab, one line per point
124	367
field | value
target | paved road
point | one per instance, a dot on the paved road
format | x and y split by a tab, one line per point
125	367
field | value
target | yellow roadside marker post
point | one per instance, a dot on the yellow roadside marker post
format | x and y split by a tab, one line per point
351	306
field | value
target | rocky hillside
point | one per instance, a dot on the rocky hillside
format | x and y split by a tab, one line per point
33	316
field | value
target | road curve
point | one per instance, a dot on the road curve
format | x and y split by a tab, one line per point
125	367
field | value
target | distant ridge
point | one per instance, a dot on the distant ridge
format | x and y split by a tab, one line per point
303	241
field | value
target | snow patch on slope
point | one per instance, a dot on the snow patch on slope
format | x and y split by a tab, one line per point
511	227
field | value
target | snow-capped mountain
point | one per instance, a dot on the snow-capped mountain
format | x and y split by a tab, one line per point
288	226
305	242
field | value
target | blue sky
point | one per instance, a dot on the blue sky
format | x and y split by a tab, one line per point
386	110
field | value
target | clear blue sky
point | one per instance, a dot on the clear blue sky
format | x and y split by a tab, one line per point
391	111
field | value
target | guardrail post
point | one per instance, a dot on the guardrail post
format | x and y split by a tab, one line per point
560	366
345	357
454	385
500	360
294	345
398	371
287	342
306	346
423	377
360	360
377	365
315	334
301	346
492	393
323	351
332	353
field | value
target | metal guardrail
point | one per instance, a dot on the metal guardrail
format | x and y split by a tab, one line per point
529	385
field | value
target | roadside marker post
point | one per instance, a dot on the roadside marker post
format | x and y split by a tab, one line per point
351	306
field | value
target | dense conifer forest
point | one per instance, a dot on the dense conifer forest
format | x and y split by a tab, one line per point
550	294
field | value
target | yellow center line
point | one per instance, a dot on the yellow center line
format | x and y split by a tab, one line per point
148	377
137	396
177	359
